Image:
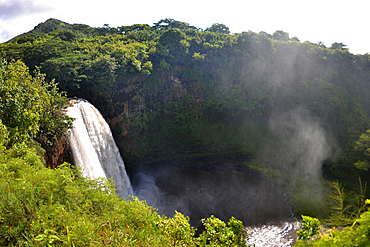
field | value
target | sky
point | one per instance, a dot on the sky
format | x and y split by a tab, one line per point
326	21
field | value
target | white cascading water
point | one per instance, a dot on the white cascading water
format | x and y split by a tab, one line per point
274	235
93	147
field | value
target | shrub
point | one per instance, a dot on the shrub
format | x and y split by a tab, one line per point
217	234
310	228
41	206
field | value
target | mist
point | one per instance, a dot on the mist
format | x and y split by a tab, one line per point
228	187
232	190
296	152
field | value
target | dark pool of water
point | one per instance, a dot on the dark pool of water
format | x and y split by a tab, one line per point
223	191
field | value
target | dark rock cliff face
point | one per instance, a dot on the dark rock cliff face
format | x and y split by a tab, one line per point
58	153
132	120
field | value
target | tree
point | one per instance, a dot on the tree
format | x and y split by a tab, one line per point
281	35
168	23
218	28
66	35
321	44
30	108
171	37
20	101
363	147
339	46
67	70
135	28
86	29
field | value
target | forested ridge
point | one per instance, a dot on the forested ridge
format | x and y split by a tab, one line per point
174	92
181	81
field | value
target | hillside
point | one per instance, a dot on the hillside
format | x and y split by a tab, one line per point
297	112
174	93
44	27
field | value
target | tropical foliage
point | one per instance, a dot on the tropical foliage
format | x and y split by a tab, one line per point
59	207
41	206
185	93
357	234
213	90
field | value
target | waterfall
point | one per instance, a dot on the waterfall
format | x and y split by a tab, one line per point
93	147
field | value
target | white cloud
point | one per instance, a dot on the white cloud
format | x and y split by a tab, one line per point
15	8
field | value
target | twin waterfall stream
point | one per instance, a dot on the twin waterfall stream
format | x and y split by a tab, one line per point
95	151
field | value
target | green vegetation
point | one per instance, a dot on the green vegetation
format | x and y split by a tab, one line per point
351	211
213	90
41	206
172	91
310	228
30	108
59	207
356	234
